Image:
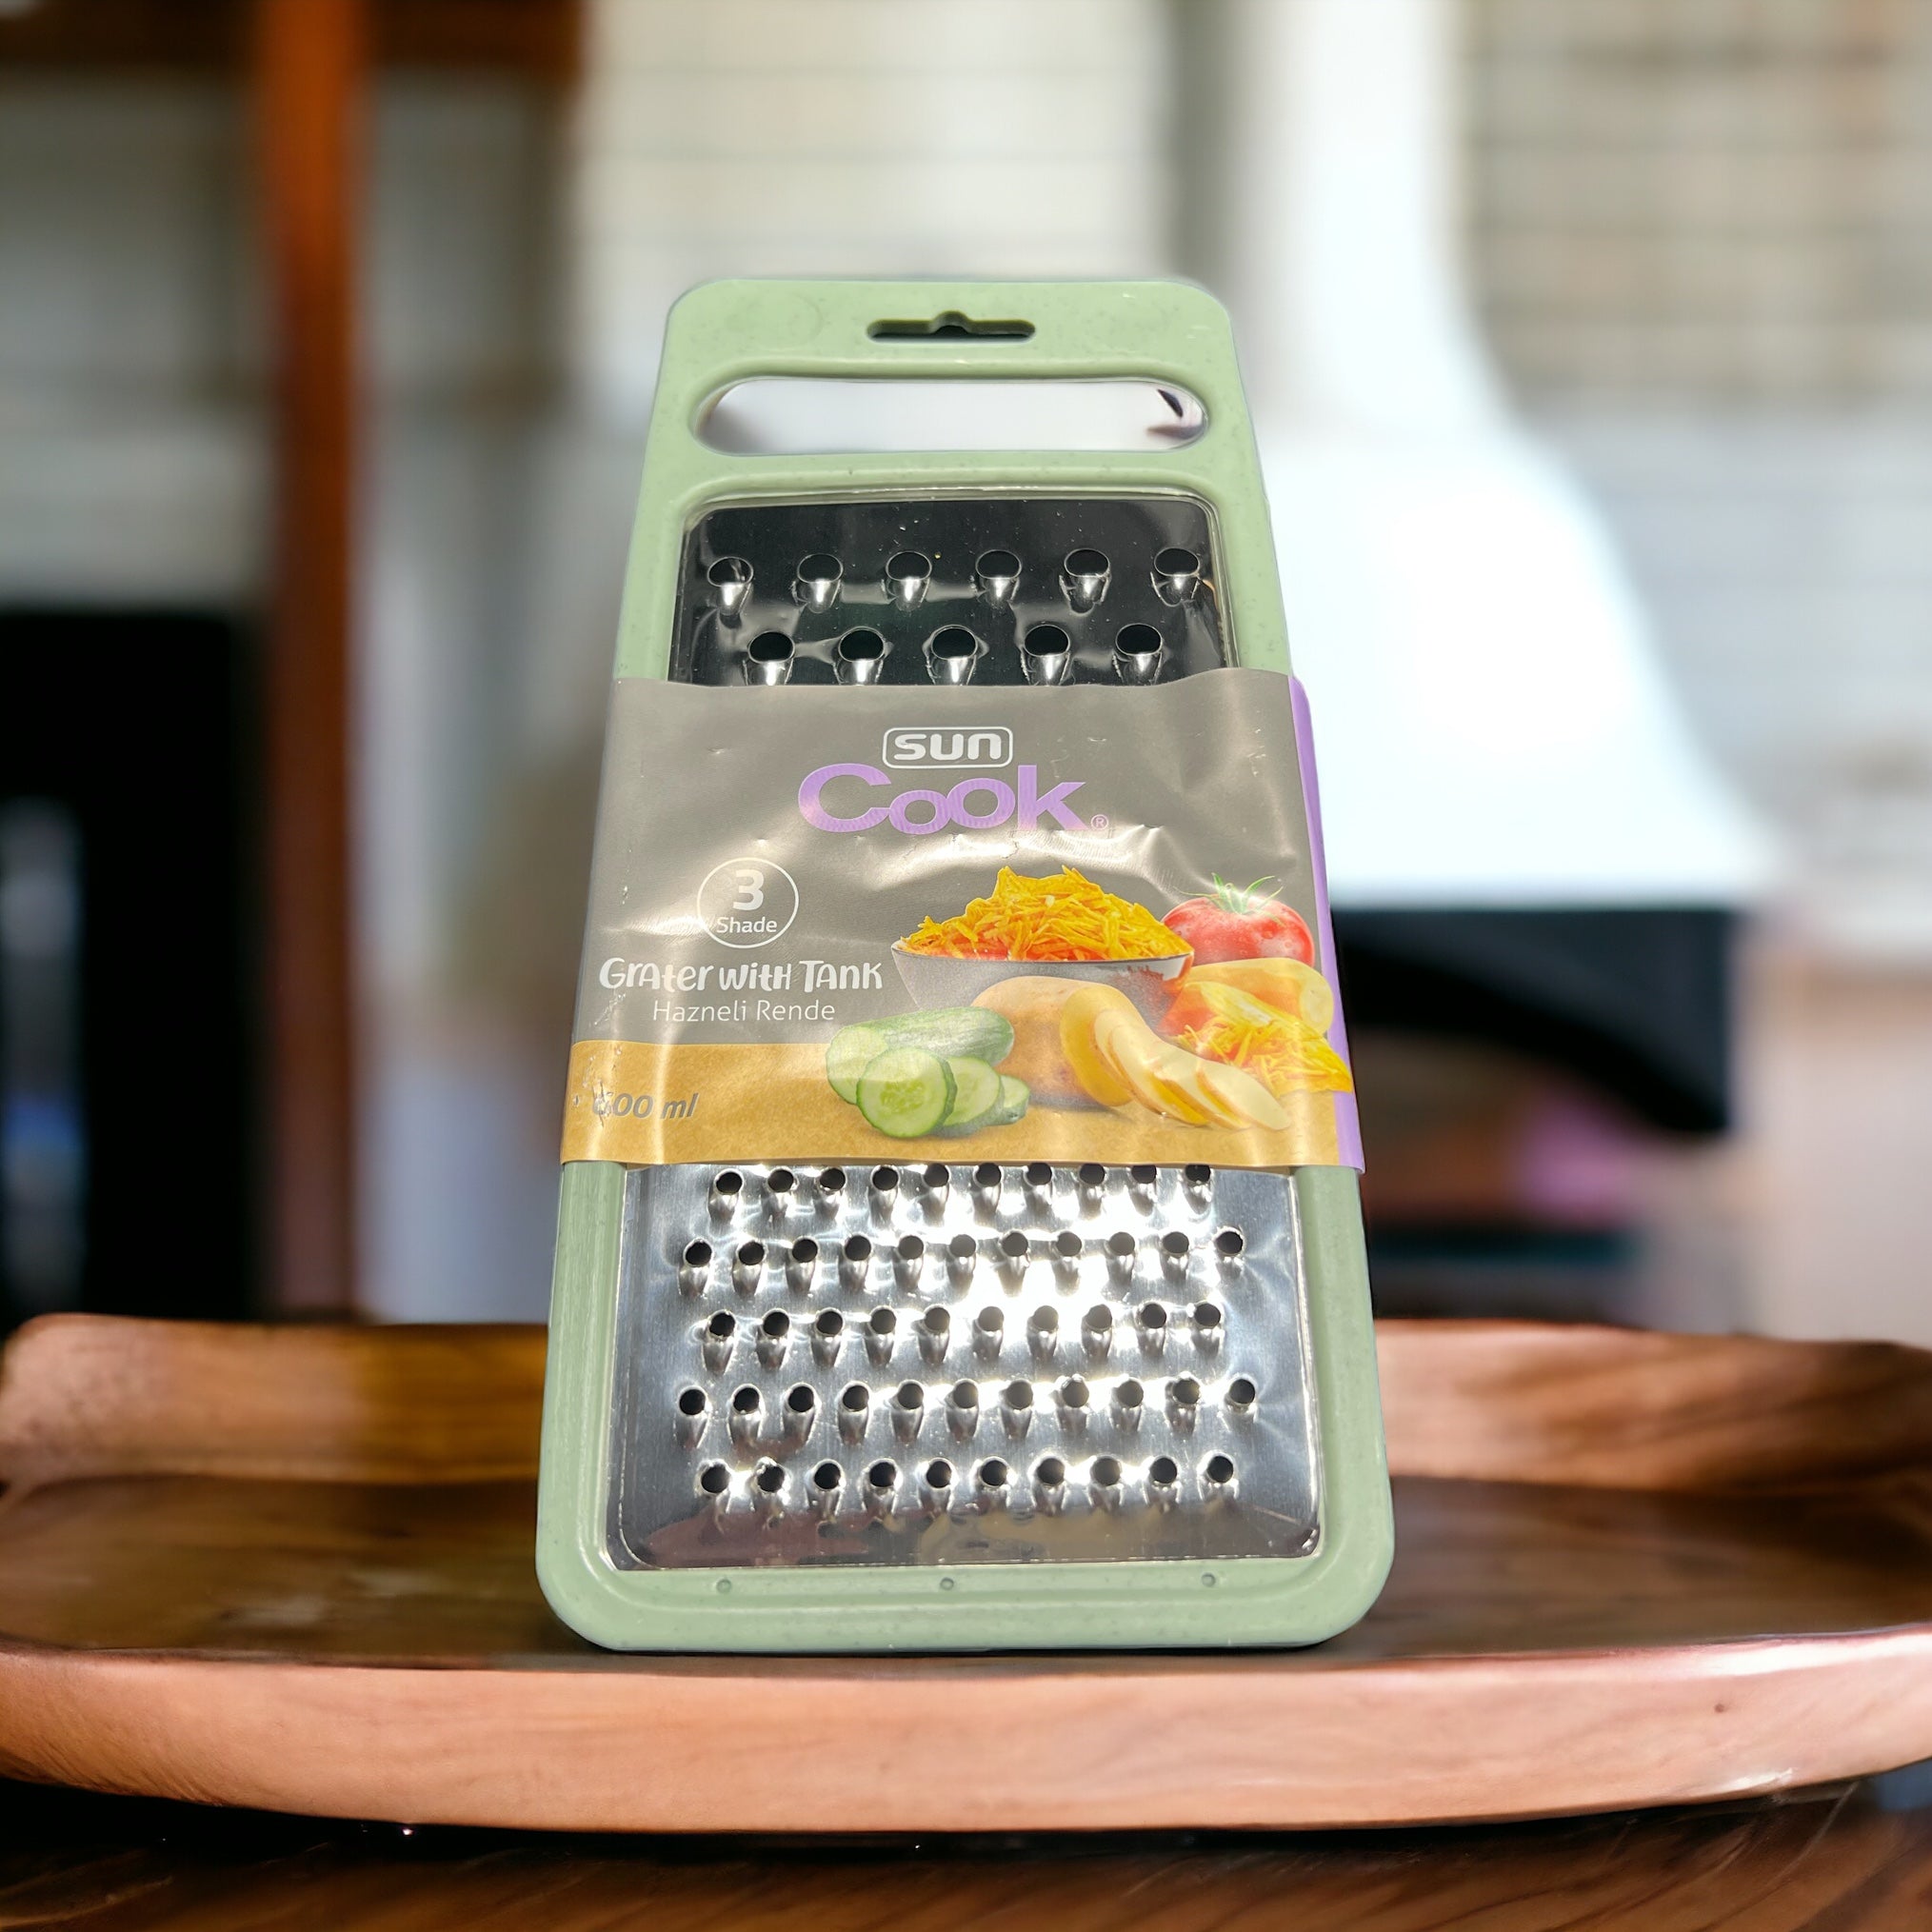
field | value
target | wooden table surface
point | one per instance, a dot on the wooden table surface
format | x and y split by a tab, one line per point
1828	1861
291	1569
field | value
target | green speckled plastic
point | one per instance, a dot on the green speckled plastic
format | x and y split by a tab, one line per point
721	335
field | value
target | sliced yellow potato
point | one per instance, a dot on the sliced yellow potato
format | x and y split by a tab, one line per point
1242	1094
1080	1019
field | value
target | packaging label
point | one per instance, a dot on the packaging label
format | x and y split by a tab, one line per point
1079	924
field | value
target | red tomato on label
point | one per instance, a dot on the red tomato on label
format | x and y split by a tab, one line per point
1239	922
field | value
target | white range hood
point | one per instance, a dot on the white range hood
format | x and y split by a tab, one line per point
1495	725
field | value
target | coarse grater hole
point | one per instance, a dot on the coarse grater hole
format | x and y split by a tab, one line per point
955	641
1038	1174
882	1321
1219	1468
859	657
1014	1244
745	1401
938	1473
728	571
1091	1174
781	1181
1207	1317
987	1175
1067	1245
884	1180
1129	1395
714	1479
1143	1175
1106	1469
801	1398
1049	1472
994	1474
692	1402
770	1478
909	1395
776	1323
882	1475
830	1323
935	1176
730	1182
1164	1471
1018	1395
827	1477
858	1248
963	1248
698	1254
911	1248
721	1324
1241	1393
1121	1245
855	1398
1175	1244
995	565
833	1181
1229	1242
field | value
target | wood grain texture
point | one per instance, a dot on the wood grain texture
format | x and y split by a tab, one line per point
1829	1864
291	1568
1512	1401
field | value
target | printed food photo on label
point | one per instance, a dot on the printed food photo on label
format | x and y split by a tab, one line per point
1052	991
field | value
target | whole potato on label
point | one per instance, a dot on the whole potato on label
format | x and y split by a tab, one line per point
1032	1003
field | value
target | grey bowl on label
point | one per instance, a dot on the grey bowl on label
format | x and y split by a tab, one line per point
937	979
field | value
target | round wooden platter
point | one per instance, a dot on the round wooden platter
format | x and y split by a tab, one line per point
290	1568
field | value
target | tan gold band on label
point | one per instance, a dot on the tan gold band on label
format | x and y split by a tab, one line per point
657	1105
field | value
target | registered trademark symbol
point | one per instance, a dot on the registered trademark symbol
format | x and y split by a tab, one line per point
1097	823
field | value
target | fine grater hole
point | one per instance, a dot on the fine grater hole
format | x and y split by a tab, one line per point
1038	1174
1229	1242
963	1395
1098	1320
691	1402
1241	1393
714	1479
833	1181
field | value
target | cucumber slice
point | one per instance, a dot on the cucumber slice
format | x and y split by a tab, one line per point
1015	1096
975	1092
852	1050
906	1092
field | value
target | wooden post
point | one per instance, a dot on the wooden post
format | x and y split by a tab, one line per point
309	60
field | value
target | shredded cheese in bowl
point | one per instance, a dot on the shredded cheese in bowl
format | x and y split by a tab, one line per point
1064	916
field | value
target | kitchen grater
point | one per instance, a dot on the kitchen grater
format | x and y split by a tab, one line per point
960	1243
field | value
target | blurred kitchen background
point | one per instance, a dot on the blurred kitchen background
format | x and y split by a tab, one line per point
1591	347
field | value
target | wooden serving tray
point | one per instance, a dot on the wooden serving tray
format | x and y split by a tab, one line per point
290	1568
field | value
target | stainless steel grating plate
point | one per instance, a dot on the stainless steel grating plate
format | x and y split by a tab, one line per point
952	1364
